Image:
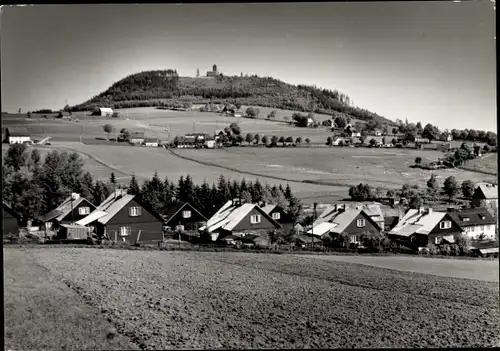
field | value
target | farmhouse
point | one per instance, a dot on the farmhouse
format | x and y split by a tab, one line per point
486	195
477	223
339	142
417	228
151	142
351	132
72	209
123	217
240	219
278	214
136	137
16	136
183	216
105	111
339	219
10	220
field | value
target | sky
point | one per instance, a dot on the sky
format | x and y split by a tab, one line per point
433	62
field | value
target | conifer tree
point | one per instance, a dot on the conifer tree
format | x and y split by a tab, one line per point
133	187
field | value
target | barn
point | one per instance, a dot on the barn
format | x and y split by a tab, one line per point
105	111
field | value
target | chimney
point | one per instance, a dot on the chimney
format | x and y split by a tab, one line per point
420	210
429	210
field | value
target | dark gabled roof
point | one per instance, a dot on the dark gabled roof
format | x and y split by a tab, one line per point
8	209
486	191
475	217
64	209
17	132
175	208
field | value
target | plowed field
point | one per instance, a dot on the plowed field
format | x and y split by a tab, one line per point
168	300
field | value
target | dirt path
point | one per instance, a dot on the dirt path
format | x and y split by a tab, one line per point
469	269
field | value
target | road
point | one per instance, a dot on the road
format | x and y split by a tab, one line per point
469	269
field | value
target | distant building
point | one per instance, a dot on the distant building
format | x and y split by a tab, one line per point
486	195
214	72
181	216
279	215
105	111
151	142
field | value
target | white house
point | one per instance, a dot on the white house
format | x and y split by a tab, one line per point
338	141
151	142
477	223
105	111
17	136
310	122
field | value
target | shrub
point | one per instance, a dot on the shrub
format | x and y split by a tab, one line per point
432	249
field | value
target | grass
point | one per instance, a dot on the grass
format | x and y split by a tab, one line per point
42	313
336	166
487	164
235	300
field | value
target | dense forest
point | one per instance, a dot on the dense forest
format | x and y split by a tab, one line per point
153	88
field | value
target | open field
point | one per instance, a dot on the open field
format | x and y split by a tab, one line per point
143	162
338	166
488	163
480	270
166	300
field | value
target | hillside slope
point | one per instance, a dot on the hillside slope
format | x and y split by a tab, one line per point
151	88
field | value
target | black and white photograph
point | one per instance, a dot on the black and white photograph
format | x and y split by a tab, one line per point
317	175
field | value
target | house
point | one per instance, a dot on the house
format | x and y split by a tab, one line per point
105	111
310	122
486	195
210	143
279	215
10	220
16	136
240	219
151	142
182	216
136	137
72	209
446	136
339	219
477	222
417	228
377	132
123	217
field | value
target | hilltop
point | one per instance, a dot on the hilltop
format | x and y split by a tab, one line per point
152	88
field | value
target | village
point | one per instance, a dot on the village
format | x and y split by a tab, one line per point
240	223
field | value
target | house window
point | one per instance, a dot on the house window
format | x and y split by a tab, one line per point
437	240
125	231
254	219
48	225
445	225
276	215
466	219
360	223
134	211
354	239
186	214
84	211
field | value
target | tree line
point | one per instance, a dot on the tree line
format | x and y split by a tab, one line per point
413	194
35	185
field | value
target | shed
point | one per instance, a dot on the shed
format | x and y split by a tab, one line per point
151	142
105	111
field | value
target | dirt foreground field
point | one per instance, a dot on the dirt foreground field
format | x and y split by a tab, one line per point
468	269
174	300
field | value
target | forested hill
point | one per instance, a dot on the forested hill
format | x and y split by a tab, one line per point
150	88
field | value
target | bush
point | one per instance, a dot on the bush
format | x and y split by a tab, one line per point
433	249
